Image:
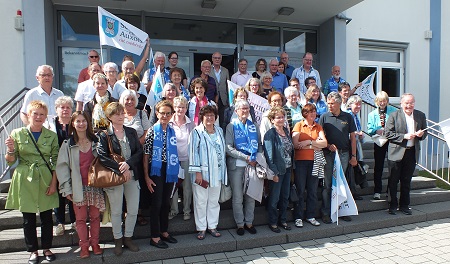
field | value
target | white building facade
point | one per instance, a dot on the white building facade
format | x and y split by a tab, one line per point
403	40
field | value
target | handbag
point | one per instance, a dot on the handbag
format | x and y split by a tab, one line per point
225	193
103	177
293	197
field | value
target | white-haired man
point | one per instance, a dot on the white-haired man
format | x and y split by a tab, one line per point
159	60
44	92
405	128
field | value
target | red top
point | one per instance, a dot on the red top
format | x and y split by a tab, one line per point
85	163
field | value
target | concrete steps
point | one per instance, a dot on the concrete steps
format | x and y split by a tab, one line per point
189	246
427	202
12	239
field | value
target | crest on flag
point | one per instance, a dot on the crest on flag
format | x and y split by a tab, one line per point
110	26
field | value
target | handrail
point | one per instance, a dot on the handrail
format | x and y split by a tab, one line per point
10	114
434	153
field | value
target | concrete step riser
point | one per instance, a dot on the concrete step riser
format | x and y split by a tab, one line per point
12	240
15	220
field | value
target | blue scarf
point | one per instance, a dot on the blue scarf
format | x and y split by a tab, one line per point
246	138
171	153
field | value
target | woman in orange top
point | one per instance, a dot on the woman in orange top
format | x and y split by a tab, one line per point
307	137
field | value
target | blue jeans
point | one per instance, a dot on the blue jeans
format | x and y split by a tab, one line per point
279	191
304	180
344	156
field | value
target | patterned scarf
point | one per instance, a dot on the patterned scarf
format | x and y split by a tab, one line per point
198	106
246	138
171	153
99	119
382	113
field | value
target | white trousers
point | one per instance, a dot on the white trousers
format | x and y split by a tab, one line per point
206	207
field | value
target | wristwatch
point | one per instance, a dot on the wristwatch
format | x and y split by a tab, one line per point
354	155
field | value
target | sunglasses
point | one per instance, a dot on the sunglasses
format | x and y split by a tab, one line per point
92	57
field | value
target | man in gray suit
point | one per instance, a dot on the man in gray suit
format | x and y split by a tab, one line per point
221	75
404	129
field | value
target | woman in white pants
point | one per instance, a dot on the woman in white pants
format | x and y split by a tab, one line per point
207	165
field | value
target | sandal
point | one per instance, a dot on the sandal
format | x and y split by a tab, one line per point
285	226
214	232
141	220
201	235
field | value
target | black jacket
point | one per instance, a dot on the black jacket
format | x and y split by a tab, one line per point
135	160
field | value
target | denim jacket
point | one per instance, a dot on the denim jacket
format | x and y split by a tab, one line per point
272	151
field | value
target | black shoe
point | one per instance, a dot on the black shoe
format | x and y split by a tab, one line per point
274	229
49	256
240	231
169	239
159	244
406	210
34	258
326	219
357	198
392	211
346	218
251	230
285	226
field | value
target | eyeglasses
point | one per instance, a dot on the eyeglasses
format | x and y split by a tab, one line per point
244	109
165	113
92	57
210	116
174	58
46	75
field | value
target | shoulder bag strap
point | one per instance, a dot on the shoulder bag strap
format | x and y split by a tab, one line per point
42	156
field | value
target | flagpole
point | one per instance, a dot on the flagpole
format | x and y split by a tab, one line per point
101	53
337	185
437	124
4	127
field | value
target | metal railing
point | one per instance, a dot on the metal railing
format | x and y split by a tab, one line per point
434	154
10	114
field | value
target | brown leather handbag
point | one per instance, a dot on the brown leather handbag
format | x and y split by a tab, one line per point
102	177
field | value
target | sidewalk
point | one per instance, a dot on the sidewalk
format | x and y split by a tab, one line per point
425	242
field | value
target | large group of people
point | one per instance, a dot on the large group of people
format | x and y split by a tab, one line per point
177	145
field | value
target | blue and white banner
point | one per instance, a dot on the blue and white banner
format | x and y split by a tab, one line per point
259	103
365	91
342	202
115	32
156	89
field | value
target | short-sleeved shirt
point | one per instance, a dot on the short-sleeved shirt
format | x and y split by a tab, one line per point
306	133
140	123
38	93
337	129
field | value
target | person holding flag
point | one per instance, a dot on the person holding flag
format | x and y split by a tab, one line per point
339	127
159	60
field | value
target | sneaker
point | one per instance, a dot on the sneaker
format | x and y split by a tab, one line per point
313	221
73	226
186	217
377	196
298	223
59	230
172	215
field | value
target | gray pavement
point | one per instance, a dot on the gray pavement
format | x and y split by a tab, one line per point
424	242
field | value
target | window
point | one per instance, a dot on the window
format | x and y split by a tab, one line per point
388	62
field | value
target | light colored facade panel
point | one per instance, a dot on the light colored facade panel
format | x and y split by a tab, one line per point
393	21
